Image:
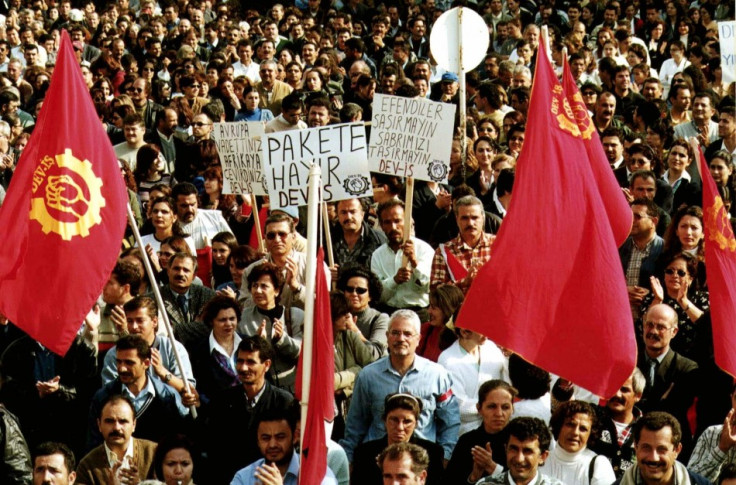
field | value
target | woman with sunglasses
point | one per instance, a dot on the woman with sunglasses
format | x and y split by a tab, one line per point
361	287
191	103
400	415
351	355
681	292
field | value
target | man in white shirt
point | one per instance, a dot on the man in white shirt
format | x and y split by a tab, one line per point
200	224
405	284
133	129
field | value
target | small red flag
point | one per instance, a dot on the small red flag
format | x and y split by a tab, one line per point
457	271
64	214
554	291
720	253
616	206
322	388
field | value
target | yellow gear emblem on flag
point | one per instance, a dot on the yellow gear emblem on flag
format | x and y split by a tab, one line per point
572	118
67	197
719	227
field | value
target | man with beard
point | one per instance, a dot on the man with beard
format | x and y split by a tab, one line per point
158	409
405	284
201	224
403	371
671	378
236	411
353	239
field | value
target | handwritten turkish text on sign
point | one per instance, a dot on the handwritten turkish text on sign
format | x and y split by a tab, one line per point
239	146
727	37
410	137
340	151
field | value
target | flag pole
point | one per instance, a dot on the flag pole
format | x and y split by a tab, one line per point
463	95
315	176
160	303
409	191
257	222
328	235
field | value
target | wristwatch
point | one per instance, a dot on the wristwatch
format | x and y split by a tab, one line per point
167	377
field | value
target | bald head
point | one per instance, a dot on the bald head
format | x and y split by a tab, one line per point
660	326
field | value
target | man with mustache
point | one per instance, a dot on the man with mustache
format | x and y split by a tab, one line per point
657	436
158	409
184	301
236	411
201	224
353	238
616	419
671	378
471	248
405	285
120	455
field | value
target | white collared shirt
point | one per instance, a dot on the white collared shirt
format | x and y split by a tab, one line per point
215	346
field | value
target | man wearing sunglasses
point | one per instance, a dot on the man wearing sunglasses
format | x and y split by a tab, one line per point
280	239
139	93
671	378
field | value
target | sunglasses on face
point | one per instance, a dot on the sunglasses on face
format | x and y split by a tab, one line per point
356	289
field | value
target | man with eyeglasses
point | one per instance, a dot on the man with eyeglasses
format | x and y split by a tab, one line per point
280	251
403	371
139	93
671	378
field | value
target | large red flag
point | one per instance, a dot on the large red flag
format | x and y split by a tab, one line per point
64	214
720	253
554	291
614	202
322	388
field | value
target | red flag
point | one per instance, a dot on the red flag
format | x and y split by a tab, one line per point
554	291
454	266
615	204
64	214
720	252
204	265
322	388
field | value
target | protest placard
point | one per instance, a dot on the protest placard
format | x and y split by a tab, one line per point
340	151
727	38
411	137
239	146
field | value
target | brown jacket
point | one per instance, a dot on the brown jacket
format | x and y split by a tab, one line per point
95	470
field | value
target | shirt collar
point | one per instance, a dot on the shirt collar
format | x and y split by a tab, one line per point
293	465
112	458
216	347
148	389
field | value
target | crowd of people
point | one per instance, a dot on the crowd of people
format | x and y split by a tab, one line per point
418	399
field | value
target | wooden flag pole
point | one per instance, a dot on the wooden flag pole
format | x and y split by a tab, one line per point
257	222
409	191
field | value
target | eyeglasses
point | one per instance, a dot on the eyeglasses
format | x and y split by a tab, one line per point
678	272
199	124
656	326
273	235
135	90
355	289
195	86
588	93
399	333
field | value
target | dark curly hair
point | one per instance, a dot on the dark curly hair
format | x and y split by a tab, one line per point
375	288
